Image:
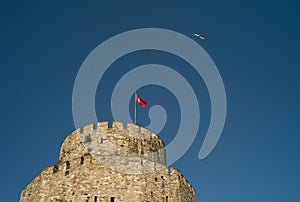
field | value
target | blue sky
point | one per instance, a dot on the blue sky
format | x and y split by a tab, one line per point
255	45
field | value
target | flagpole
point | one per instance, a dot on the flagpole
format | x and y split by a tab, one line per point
135	108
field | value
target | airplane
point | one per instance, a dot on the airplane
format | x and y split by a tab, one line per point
199	36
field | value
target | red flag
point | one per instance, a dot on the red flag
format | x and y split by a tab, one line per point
141	102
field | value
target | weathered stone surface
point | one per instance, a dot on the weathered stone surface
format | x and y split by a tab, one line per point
97	163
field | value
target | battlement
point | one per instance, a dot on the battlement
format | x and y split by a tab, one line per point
130	129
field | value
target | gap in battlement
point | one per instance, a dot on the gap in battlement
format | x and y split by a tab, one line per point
95	126
125	125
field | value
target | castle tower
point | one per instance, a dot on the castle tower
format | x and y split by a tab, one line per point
122	163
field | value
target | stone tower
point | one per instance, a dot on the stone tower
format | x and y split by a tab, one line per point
122	163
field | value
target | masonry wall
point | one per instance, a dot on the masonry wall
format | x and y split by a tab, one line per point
137	171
